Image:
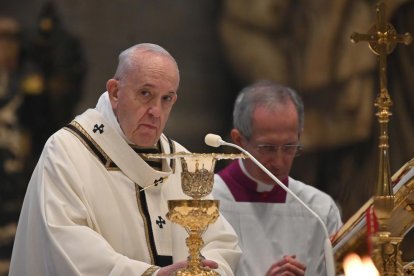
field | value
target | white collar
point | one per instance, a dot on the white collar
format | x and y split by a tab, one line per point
105	108
261	186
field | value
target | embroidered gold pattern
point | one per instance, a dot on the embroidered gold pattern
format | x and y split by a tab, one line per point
173	163
145	223
109	165
150	271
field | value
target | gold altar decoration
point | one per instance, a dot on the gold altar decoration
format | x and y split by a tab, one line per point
391	208
197	179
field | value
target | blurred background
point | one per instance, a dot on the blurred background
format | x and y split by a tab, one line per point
56	56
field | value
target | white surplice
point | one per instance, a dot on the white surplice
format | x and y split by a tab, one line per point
269	231
83	213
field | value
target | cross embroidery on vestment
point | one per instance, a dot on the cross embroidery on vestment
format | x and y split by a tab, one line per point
160	221
158	181
100	128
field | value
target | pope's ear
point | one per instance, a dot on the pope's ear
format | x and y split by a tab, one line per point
236	136
112	88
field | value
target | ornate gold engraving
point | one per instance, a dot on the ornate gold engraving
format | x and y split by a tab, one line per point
197	179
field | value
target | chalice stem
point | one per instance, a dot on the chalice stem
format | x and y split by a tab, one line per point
195	243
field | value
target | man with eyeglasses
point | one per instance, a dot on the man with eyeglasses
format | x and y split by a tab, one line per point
276	233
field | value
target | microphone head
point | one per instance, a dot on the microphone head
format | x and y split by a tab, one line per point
213	140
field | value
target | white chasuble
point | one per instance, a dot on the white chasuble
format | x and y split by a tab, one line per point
85	211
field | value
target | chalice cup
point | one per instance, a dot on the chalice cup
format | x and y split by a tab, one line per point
195	214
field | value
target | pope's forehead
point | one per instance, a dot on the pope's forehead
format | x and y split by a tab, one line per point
153	60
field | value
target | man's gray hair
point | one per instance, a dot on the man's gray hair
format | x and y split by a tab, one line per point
263	93
127	58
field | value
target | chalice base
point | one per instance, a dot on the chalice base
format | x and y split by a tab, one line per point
196	272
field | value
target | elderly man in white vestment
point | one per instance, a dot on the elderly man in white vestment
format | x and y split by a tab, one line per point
94	205
278	236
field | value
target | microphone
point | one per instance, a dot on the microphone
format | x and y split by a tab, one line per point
215	140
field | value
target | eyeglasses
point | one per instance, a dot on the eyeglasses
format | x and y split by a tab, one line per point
271	150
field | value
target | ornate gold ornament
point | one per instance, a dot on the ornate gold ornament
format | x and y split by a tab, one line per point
197	180
390	206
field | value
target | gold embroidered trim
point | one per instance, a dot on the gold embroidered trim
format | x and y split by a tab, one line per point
137	191
150	271
109	165
171	143
173	164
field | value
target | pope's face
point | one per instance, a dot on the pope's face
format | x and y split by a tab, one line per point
143	97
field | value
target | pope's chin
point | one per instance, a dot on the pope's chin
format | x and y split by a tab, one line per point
145	138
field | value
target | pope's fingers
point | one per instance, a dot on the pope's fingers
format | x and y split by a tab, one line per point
210	264
168	270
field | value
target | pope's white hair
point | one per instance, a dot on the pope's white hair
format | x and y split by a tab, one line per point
130	57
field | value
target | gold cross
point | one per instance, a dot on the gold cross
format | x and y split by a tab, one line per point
382	39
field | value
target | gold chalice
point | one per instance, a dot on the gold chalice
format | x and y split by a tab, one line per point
194	216
197	179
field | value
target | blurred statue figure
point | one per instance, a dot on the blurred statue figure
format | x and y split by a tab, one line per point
56	72
13	141
14	146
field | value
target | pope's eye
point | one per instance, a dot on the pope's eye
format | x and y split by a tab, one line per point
145	93
167	98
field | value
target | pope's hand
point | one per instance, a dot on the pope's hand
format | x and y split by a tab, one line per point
168	270
287	266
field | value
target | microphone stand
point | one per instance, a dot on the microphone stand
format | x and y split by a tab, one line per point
216	141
